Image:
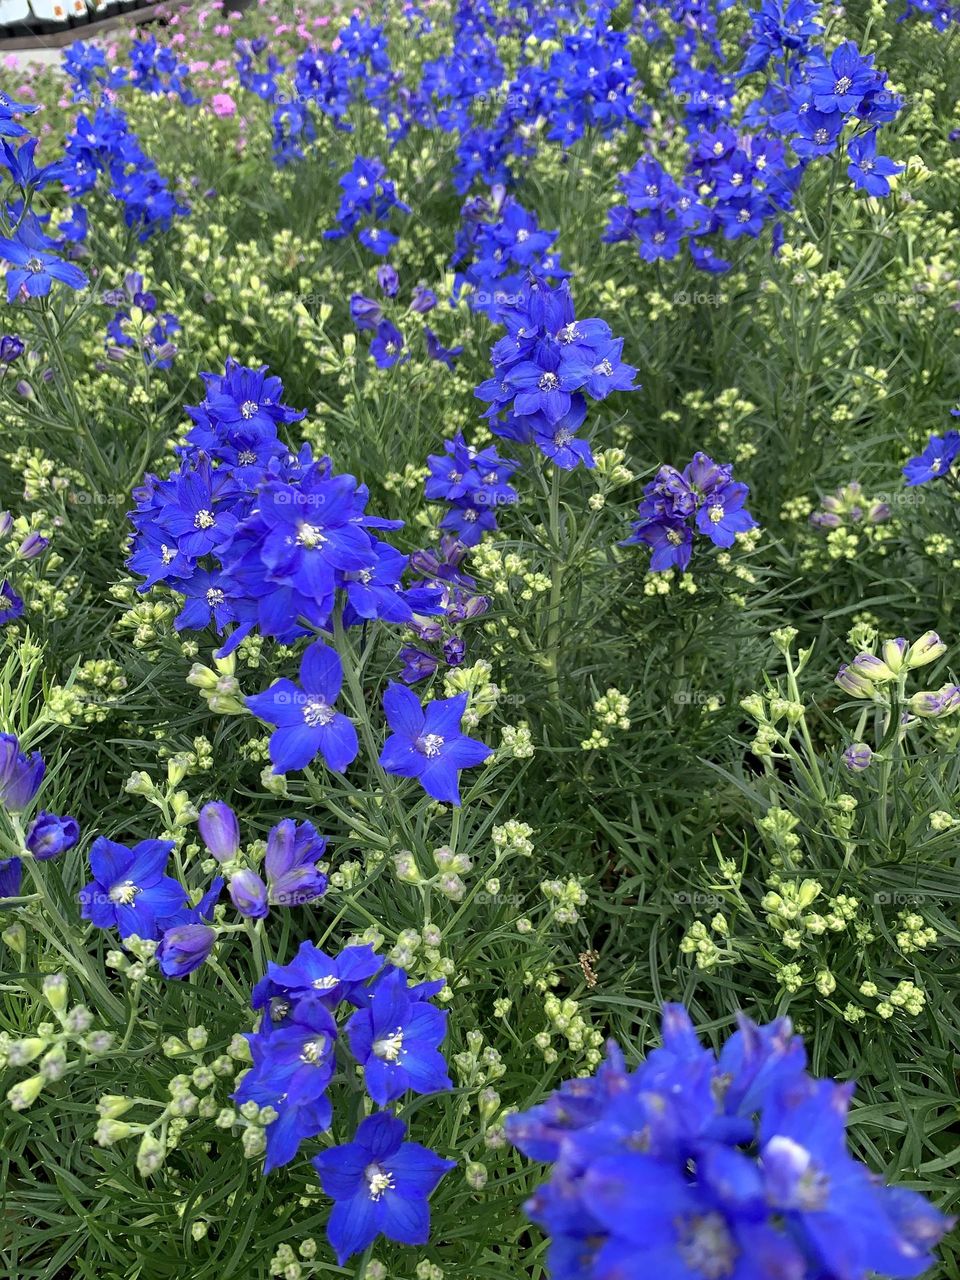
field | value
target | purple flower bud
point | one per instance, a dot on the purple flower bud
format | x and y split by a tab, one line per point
219	830
248	894
853	682
892	652
872	667
454	649
24	390
388	280
418	664
11	348
366	313
20	774
292	851
857	757
825	520
184	948
49	835
11	875
33	545
878	512
424	300
6	524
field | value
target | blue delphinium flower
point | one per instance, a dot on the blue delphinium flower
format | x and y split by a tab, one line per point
705	494
380	1185
293	1064
49	835
314	974
387	348
870	172
743	1171
11	605
474	483
396	1037
935	461
33	267
20	774
130	891
427	743
307	724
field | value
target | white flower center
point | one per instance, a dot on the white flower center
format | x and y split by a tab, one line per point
313	1050
215	596
204	520
309	536
317	712
378	1181
123	894
390	1047
549	382
706	1246
248	408
430	744
842	86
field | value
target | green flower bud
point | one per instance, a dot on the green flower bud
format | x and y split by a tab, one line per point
56	990
108	1132
476	1175
150	1155
925	650
15	936
25	1093
197	1037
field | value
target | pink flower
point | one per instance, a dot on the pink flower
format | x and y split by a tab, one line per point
221	29
223	105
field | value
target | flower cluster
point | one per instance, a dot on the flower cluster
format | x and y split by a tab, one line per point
498	243
368	195
474	483
703	498
252	535
107	145
742	1165
379	1182
545	367
871	676
849	508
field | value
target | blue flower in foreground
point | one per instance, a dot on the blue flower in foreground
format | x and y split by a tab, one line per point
20	774
935	461
743	1172
427	742
395	1036
49	835
33	267
11	875
129	890
381	1185
307	724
